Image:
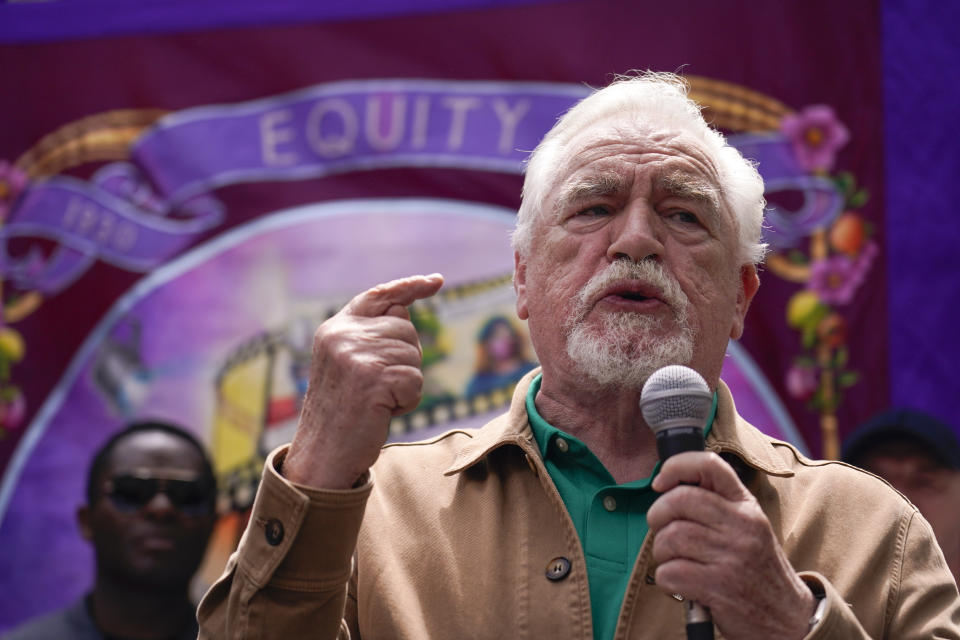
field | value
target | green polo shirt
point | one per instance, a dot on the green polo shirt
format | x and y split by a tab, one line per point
610	518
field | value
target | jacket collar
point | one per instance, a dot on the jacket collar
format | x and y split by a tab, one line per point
730	434
511	427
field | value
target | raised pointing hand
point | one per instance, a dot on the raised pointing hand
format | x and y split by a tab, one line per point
365	369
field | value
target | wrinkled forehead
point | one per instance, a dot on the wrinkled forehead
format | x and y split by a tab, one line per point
632	138
606	156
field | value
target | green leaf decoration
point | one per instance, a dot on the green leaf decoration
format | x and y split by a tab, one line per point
841	358
843	181
809	337
848	379
858	199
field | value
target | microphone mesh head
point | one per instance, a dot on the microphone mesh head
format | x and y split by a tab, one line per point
675	396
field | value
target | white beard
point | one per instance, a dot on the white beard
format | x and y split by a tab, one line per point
627	348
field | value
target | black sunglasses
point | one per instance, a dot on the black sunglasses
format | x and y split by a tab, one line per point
130	492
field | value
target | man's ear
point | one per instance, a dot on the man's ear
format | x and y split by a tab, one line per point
84	518
520	284
749	283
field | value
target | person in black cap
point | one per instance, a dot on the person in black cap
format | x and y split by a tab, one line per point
920	456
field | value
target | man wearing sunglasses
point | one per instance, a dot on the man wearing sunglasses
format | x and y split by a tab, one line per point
149	514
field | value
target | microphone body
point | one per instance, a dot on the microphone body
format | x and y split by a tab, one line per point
677	440
676	403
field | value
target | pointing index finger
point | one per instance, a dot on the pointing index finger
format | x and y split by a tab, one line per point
403	291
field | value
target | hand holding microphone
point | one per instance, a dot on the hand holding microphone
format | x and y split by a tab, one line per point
676	402
713	543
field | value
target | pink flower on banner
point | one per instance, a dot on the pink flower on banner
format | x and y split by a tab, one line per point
835	279
816	135
12	183
801	381
12	409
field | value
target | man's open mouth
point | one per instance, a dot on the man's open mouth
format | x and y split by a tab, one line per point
630	295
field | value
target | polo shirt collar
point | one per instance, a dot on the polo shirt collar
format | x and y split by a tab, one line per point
544	432
730	434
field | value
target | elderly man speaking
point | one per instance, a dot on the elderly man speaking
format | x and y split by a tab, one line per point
636	247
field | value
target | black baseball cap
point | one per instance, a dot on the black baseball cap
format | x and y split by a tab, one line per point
934	435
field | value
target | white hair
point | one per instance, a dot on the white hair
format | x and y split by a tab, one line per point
650	100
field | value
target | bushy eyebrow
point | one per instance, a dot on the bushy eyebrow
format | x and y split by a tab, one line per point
684	185
587	188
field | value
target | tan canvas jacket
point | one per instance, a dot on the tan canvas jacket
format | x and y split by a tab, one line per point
455	538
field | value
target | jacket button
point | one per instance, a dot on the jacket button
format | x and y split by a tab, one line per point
558	568
274	532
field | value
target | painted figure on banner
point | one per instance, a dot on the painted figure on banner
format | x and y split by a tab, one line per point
436	348
501	357
120	373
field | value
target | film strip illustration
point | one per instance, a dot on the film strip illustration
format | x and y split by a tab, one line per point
468	332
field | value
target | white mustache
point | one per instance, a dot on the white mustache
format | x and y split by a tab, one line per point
648	272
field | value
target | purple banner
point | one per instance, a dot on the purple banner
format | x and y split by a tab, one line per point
137	216
88	222
348	126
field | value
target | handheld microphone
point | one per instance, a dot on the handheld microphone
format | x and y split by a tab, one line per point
676	403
